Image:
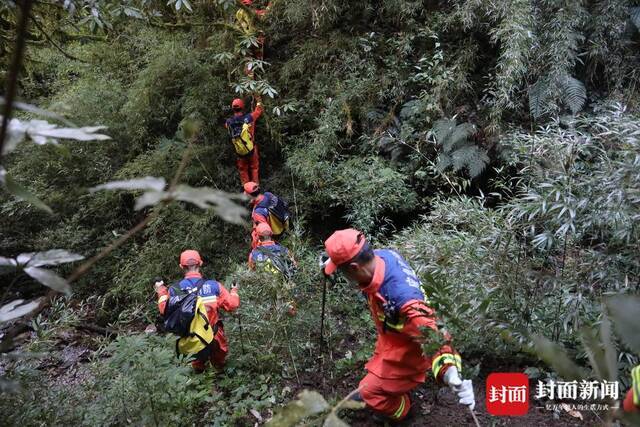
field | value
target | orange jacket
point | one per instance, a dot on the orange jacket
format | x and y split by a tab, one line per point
255	115
213	294
398	352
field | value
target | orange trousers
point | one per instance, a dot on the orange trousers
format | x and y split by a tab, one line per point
389	397
216	354
249	166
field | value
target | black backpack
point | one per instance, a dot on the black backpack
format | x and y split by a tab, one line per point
180	310
278	260
279	208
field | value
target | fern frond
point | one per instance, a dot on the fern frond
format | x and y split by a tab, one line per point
444	162
477	167
442	129
575	93
459	135
538	98
634	15
470	157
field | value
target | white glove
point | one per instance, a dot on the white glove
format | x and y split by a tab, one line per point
464	389
157	284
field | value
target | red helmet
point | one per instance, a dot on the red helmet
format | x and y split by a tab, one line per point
250	187
190	257
263	229
237	104
247	2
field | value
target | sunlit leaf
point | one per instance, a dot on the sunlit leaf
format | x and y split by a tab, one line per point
625	312
16	309
189	128
43	132
49	279
333	421
353	404
208	198
7	265
150	198
147	183
50	257
595	353
21	192
556	356
39	111
308	403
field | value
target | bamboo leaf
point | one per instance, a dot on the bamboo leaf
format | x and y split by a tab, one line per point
16	309
49	279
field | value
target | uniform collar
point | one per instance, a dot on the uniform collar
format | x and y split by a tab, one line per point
266	243
238	114
378	277
193	275
258	199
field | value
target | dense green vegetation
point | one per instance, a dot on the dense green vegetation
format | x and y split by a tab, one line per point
494	144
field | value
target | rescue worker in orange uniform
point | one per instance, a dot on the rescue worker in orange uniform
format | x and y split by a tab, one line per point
632	399
260	210
214	296
248	157
267	244
247	26
274	258
399	310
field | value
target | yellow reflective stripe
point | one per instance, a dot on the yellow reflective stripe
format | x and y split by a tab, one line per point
209	299
443	360
400	410
397	326
163	298
635	385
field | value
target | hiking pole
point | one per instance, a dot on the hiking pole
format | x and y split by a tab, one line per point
324	300
241	338
475	418
239	317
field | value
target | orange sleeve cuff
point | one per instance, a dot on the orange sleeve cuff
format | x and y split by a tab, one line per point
628	404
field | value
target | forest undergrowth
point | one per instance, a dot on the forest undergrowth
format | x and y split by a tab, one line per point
495	145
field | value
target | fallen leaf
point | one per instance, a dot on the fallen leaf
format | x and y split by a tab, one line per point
573	413
256	414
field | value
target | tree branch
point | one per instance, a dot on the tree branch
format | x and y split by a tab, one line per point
87	265
53	42
12	81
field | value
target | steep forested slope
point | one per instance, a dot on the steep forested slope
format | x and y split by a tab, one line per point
494	144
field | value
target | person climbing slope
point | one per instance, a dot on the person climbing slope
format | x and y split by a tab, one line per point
213	295
268	209
246	24
269	255
274	258
399	310
241	128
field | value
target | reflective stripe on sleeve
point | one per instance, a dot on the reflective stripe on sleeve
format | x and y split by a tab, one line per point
635	378
163	298
443	360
